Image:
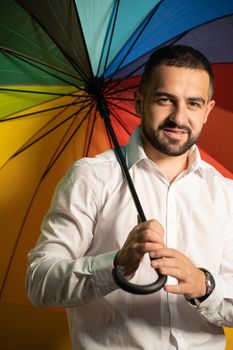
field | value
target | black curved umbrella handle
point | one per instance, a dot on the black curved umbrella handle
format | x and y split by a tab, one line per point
118	271
122	282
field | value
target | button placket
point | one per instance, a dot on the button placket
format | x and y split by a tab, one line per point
171	241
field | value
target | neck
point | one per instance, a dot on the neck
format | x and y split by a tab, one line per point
170	166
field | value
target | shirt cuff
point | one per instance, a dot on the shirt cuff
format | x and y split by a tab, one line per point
215	298
102	272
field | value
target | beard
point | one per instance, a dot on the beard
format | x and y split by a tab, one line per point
169	147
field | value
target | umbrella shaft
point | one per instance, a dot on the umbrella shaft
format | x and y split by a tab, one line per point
125	170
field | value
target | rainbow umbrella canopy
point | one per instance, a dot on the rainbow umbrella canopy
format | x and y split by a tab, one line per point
58	60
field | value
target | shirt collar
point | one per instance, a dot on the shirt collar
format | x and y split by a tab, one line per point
194	158
135	152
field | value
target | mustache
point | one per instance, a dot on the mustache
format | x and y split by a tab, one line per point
172	125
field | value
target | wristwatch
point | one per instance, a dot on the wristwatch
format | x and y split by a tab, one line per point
210	285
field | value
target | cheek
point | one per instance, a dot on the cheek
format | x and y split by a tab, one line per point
197	122
156	115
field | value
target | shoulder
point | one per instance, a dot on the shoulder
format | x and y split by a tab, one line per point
215	179
210	170
100	168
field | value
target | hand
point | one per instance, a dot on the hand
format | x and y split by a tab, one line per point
191	280
144	238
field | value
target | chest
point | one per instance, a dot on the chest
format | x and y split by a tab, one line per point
193	215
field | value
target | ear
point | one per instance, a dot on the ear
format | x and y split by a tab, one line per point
210	106
138	103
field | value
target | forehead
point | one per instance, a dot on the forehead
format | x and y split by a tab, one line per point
178	80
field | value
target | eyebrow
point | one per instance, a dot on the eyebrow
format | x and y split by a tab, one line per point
173	97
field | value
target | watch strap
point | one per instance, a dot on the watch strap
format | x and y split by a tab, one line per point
210	285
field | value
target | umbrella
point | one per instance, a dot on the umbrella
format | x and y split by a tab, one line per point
63	65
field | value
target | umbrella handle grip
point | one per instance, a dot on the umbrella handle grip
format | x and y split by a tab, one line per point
122	282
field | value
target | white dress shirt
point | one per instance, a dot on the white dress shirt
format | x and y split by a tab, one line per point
92	213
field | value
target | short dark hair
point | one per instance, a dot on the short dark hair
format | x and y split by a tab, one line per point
177	56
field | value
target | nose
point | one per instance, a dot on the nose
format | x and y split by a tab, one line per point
179	113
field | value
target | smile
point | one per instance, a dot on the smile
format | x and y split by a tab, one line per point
173	133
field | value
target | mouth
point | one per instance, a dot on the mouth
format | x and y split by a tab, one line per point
174	133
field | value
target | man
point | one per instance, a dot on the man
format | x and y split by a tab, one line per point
92	224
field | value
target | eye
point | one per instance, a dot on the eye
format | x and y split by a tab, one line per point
195	104
163	101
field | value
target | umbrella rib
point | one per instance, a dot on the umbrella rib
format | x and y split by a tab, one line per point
109	93
171	41
43	110
90	136
49	131
53	158
124	109
68	57
84	43
135	40
139	67
120	121
118	82
37	92
176	38
179	37
67	142
111	37
29	62
33	59
122	99
126	102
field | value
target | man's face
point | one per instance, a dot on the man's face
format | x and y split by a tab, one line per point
174	107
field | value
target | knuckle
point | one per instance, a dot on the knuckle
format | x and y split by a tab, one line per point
138	248
146	235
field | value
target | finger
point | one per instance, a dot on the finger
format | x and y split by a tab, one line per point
167	253
171	267
156	247
165	262
153	225
175	288
145	234
157	227
167	266
147	247
173	272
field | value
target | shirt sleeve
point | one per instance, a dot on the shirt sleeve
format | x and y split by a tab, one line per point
218	307
60	272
